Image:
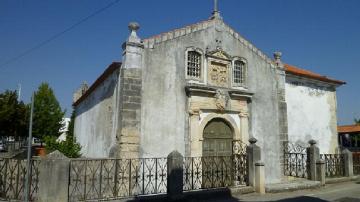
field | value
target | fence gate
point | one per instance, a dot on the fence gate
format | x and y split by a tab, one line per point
295	160
334	164
216	171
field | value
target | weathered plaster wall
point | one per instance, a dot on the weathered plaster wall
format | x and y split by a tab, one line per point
95	122
164	112
311	113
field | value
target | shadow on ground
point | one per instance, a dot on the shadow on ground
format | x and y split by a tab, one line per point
348	199
302	198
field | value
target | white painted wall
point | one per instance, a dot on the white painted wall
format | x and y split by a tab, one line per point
311	112
96	120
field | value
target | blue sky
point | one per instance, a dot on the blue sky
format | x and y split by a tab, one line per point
322	36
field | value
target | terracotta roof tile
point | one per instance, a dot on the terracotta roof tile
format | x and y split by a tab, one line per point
349	129
290	69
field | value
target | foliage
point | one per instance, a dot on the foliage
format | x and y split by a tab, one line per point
14	115
47	113
357	121
69	147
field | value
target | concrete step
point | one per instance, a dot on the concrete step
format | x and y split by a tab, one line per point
291	186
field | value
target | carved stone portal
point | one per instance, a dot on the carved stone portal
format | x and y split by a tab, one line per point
218	74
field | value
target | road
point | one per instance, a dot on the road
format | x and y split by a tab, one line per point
340	192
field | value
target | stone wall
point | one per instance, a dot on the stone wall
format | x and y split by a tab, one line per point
96	119
312	113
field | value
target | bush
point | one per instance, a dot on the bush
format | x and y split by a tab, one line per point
69	147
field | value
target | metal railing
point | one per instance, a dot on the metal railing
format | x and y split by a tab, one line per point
356	163
295	160
13	179
334	164
95	179
216	171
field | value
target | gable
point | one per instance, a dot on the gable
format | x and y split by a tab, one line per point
182	32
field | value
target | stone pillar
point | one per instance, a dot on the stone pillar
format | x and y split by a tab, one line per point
282	106
348	161
312	156
175	175
244	126
128	135
54	178
253	153
320	171
195	136
260	177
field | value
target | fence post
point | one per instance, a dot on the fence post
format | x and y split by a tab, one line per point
348	161
260	177
320	170
54	177
253	154
175	175
312	155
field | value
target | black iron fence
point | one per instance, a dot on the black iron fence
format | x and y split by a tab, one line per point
13	178
214	172
334	164
356	163
295	160
95	179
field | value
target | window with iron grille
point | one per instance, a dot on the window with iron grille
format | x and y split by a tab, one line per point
239	72
193	64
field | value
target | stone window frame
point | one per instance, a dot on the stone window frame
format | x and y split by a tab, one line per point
245	72
199	79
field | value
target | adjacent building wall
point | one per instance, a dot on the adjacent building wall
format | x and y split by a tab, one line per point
311	109
96	119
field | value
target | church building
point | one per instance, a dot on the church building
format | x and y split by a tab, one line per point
198	89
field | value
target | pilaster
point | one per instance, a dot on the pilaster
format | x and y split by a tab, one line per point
195	135
128	136
244	126
282	106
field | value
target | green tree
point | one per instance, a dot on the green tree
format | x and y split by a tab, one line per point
357	121
47	115
69	147
13	115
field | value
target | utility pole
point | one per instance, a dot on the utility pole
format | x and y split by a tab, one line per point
19	92
28	173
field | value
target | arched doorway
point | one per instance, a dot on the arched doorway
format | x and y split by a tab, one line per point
218	136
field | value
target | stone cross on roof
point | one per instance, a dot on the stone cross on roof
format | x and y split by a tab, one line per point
215	13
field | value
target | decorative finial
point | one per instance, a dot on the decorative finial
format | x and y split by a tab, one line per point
277	55
215	13
133	27
312	142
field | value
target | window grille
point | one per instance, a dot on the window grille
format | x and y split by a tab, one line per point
194	64
239	72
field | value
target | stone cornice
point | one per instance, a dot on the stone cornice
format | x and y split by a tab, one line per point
211	91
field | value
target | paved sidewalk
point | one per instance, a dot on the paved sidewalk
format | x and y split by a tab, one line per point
340	192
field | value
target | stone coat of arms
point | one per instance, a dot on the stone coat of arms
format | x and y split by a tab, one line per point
221	100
